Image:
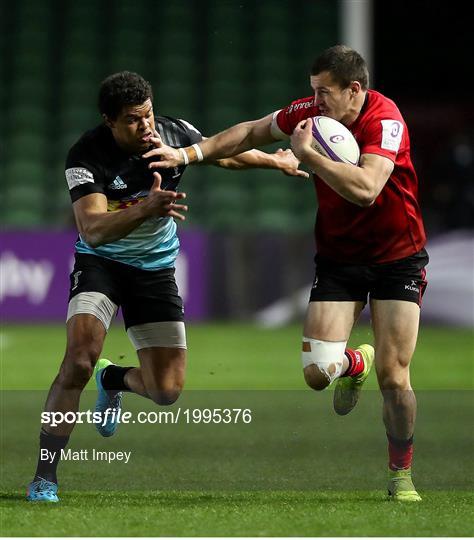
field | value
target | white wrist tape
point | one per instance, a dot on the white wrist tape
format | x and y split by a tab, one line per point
198	150
185	155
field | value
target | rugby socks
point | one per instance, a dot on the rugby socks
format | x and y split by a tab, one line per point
49	456
113	378
400	453
356	363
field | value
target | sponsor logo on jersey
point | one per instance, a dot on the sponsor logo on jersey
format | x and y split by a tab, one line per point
75	176
118	183
112	206
392	132
298	106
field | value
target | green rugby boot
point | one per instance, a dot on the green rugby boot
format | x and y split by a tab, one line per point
105	401
347	391
400	486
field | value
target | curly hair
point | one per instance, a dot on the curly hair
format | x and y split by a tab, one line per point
344	64
122	89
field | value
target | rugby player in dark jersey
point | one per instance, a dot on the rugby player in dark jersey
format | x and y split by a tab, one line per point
124	257
369	238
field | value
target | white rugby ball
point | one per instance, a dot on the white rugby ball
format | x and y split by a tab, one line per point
334	140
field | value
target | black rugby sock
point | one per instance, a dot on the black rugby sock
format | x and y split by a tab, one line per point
113	378
49	455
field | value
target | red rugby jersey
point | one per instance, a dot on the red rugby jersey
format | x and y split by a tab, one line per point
390	229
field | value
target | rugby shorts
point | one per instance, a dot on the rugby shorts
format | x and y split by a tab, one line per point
145	296
404	279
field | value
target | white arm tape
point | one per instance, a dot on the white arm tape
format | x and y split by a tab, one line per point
275	130
185	156
198	150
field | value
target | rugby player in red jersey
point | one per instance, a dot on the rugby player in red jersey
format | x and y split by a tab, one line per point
369	237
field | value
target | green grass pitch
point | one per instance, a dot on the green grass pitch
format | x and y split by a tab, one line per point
296	470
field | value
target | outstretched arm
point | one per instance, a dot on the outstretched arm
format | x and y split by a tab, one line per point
235	140
282	160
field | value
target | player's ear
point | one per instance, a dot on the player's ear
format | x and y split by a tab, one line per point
108	122
355	87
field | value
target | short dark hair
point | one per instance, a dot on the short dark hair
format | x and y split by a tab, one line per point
344	64
122	89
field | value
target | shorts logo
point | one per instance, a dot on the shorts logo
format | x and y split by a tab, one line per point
118	183
315	282
76	279
412	287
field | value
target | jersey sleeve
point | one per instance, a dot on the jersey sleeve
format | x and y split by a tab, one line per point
384	135
285	120
193	133
83	176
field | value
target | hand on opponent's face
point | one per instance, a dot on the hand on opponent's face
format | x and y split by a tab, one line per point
164	157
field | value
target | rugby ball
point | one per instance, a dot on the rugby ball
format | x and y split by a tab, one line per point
335	141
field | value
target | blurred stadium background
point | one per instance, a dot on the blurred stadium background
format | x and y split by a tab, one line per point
248	237
247	250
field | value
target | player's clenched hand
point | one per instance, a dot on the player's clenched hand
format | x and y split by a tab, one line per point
301	139
288	163
163	203
164	156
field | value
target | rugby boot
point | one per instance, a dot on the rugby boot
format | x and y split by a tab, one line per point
347	391
400	486
106	400
42	491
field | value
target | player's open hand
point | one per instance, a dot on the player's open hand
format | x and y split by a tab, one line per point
164	157
301	139
288	163
163	203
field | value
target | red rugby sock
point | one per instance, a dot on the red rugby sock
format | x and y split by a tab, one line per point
356	363
400	453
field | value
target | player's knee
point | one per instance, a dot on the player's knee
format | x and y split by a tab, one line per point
165	396
77	367
394	378
322	361
315	379
75	373
164	392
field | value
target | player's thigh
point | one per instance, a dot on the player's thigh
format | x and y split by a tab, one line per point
395	324
331	321
85	339
163	368
84	331
90	312
94	290
395	298
337	297
153	316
